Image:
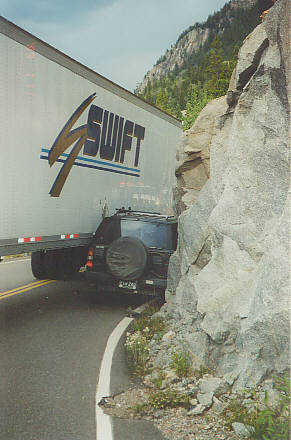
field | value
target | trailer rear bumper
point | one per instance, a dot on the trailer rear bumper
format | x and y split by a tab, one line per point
31	244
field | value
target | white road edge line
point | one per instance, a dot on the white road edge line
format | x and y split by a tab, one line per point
103	421
14	261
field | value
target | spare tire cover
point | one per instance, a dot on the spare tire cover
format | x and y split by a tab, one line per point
126	258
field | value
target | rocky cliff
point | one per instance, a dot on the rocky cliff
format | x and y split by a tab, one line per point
227	299
191	41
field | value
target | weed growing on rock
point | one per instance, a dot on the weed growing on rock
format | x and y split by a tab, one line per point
167	399
236	411
181	363
198	374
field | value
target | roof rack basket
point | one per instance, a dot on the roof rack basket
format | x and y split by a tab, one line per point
147	213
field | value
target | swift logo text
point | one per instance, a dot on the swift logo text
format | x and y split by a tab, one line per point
106	134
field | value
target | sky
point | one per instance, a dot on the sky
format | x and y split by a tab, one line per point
119	39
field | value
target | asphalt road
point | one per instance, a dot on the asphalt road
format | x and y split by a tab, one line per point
52	339
14	273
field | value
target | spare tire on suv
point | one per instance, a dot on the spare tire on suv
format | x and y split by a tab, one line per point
126	258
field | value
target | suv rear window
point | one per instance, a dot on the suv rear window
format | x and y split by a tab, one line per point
159	235
108	231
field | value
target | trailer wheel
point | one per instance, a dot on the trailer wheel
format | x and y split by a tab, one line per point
51	264
58	264
37	265
126	258
69	262
64	263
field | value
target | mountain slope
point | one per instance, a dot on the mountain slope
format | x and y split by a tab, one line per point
202	52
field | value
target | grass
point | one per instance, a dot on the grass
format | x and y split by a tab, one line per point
198	374
140	333
158	381
137	353
168	399
162	399
181	363
269	423
148	324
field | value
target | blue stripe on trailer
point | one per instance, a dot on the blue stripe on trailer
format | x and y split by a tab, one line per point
96	167
45	150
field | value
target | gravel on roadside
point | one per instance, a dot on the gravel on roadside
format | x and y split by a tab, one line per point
174	423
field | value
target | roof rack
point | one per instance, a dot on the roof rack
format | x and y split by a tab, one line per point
147	213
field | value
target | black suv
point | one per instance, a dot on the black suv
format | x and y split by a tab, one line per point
130	252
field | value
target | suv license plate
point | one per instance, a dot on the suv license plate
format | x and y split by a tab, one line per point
127	285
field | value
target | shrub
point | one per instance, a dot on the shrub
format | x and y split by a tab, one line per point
269	423
273	423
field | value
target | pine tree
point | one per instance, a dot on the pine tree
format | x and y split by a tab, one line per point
217	70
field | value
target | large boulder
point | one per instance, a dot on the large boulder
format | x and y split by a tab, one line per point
193	155
229	278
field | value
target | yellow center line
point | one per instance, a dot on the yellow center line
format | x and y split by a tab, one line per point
25	288
22	287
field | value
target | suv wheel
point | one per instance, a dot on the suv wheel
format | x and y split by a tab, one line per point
126	258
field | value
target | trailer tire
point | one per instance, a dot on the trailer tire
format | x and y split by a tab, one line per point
37	265
51	264
126	258
70	262
58	264
62	264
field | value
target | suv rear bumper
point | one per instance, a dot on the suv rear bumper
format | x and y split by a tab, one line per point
144	286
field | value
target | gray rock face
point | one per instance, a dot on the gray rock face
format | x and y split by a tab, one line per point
190	43
193	155
199	409
229	278
177	55
215	385
205	399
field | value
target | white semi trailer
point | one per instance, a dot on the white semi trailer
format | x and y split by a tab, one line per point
74	147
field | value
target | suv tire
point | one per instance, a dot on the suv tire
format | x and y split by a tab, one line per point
126	258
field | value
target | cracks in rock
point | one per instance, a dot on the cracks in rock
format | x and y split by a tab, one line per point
188	165
278	84
204	256
245	76
278	76
223	118
232	98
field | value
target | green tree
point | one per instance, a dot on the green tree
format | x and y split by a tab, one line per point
162	100
198	99
218	71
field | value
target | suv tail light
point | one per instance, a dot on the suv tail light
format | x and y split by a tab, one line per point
89	263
